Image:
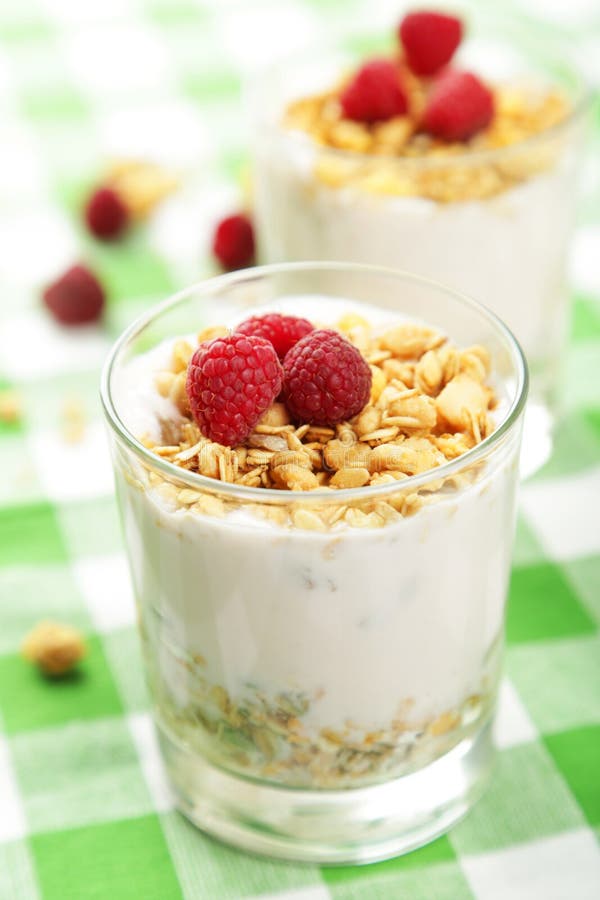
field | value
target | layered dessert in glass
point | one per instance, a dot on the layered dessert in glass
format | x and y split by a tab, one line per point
316	467
464	172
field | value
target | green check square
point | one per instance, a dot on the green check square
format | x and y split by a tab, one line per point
28	29
558	681
542	604
438	851
131	269
431	871
17	876
175	12
575	448
7	427
585	320
577	755
31	593
28	700
56	103
592	417
334	5
365	44
233	164
91	774
72	190
117	860
122	313
90	527
443	881
30	534
584	575
225	873
213	85
580	391
527	799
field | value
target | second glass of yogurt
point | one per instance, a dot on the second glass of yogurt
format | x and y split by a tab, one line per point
321	608
490	215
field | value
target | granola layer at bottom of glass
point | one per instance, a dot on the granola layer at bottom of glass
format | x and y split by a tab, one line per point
275	734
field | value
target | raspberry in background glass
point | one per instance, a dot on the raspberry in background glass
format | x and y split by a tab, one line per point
471	183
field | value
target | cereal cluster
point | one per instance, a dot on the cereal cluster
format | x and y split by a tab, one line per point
393	144
429	403
55	648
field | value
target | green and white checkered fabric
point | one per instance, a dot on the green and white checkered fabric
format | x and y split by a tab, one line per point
84	808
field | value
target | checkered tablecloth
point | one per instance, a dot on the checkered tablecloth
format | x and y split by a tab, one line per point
84	808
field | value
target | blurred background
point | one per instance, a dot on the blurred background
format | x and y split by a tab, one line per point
87	86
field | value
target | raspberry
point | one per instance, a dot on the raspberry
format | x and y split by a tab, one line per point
326	380
233	242
429	40
231	381
459	106
375	93
76	297
106	214
282	331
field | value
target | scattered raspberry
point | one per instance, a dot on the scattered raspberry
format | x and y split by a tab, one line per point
106	214
459	106
282	331
233	242
376	92
76	297
231	381
326	380
429	40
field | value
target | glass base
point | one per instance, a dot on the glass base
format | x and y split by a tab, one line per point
536	449
347	826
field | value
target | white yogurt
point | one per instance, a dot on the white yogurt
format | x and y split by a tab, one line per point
508	251
369	626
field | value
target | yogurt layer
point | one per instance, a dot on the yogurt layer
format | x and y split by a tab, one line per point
323	658
507	251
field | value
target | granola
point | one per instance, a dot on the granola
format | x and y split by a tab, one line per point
273	736
10	406
53	647
386	157
430	402
141	184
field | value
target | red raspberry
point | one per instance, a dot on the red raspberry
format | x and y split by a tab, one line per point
282	331
326	380
459	106
376	92
231	381
76	297
106	214
233	242
429	40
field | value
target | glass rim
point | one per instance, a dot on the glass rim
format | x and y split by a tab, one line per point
319	495
581	105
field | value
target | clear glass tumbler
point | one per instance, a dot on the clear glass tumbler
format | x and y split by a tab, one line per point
494	224
322	690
